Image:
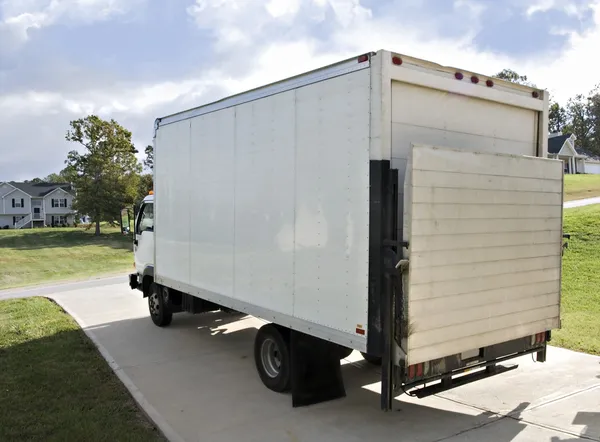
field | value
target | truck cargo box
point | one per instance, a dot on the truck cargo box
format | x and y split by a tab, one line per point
385	204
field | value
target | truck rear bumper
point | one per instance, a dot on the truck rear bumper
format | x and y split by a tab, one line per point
451	371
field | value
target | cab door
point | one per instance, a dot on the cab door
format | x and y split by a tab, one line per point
143	244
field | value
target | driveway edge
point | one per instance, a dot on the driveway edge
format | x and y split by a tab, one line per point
167	431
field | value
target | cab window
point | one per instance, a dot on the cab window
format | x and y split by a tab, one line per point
146	219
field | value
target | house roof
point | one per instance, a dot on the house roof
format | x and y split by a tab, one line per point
38	190
555	144
588	155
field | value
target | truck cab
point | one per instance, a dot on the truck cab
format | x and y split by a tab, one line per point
143	246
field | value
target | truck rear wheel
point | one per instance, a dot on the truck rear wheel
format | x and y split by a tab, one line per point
159	305
272	358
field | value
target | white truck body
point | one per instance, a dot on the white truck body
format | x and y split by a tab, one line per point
264	203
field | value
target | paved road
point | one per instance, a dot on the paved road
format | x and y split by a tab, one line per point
45	290
197	377
581	203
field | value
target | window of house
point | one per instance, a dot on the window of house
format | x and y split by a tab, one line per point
59	202
16	219
59	219
18	202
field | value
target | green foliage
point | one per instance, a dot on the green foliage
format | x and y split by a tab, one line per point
581	115
57	177
557	118
149	160
145	186
106	174
55	384
579	124
580	304
34	256
512	76
580	186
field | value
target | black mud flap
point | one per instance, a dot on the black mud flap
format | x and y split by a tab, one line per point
316	370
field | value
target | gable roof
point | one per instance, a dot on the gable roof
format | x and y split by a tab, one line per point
555	144
589	155
39	190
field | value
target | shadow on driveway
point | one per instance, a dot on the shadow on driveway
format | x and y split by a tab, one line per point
199	374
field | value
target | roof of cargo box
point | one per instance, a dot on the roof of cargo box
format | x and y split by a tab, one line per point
303	79
340	68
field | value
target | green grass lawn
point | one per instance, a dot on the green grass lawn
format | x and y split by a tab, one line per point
32	256
55	386
581	186
581	282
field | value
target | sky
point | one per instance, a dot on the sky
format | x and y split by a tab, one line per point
136	60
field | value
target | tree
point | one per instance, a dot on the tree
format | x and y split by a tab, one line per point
557	118
149	160
106	174
60	177
594	115
513	77
145	186
580	123
34	181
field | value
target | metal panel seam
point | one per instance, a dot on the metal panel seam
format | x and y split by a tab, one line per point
234	172
190	193
295	138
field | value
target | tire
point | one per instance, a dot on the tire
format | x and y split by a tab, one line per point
375	360
159	305
272	358
345	352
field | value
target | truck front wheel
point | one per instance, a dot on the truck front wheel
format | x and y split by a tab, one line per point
159	305
272	358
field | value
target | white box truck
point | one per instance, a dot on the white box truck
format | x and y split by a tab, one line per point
383	204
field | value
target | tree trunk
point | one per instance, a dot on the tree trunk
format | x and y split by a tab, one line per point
97	228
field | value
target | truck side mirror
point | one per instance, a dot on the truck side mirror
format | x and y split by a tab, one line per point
126	221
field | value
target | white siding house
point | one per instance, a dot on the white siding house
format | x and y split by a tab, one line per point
26	205
563	147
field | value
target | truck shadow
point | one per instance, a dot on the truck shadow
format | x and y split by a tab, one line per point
207	376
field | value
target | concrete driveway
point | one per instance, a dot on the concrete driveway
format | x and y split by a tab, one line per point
581	203
197	378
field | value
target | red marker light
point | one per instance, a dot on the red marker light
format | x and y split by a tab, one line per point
459	76
474	79
489	83
397	61
363	58
535	94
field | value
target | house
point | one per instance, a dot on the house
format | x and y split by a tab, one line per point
563	147
27	205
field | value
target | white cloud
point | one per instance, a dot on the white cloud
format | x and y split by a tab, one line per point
126	98
282	8
239	24
19	16
568	6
